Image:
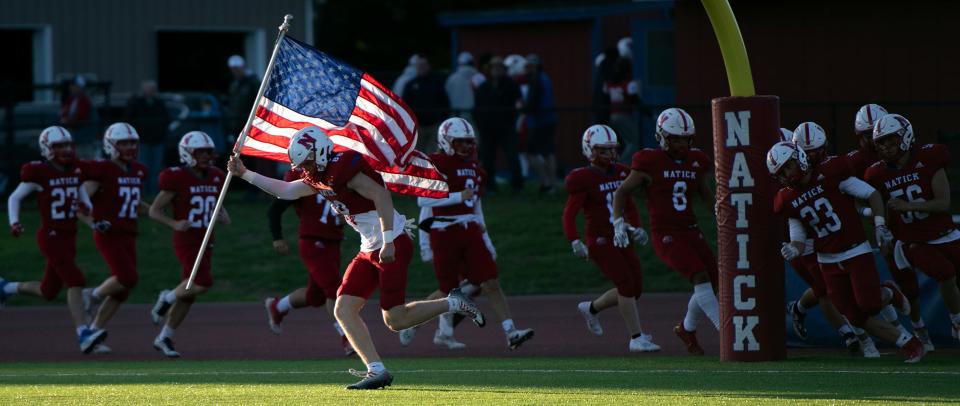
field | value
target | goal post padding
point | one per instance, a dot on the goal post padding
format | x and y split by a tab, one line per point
751	291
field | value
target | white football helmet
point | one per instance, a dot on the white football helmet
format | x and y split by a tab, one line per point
50	136
452	129
193	141
786	135
117	132
809	136
783	152
895	124
310	144
673	122
515	64
867	116
597	135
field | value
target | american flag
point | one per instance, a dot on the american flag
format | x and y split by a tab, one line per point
308	87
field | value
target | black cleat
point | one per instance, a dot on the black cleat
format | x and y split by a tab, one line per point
371	380
798	320
852	343
517	337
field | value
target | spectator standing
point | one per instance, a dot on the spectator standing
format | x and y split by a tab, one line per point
498	100
240	96
541	120
76	114
425	94
460	86
148	114
409	72
623	95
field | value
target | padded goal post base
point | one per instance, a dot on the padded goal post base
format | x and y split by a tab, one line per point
748	234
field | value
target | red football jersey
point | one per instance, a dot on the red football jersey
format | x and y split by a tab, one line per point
619	94
593	189
317	218
669	196
913	183
861	159
332	183
194	200
829	216
118	196
60	193
461	174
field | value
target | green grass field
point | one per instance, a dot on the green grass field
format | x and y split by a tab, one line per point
534	257
597	381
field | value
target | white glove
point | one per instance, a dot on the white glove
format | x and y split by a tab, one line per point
620	237
639	235
789	252
884	236
579	249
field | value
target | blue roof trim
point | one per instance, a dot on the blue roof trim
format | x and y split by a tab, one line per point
487	17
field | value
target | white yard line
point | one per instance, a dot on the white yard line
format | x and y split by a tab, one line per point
525	371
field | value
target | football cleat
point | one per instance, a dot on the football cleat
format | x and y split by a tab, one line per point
913	351
516	338
798	320
444	340
371	380
90	337
924	336
869	348
101	349
689	339
165	345
463	305
274	317
160	308
851	342
593	320
644	343
406	336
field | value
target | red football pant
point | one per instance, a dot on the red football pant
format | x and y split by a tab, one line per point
60	250
365	273
938	261
459	250
120	253
620	265
854	287
322	258
685	251
187	254
808	269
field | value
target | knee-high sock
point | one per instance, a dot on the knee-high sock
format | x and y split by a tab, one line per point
708	302
693	314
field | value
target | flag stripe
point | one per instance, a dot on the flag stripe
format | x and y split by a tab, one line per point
308	87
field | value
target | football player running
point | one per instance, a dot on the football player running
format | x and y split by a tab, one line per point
60	198
818	200
116	188
357	192
913	182
458	233
191	190
672	176
320	235
591	189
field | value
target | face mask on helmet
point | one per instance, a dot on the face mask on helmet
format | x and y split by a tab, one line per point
63	153
599	145
455	136
787	163
120	141
893	137
675	131
196	150
310	149
465	147
867	116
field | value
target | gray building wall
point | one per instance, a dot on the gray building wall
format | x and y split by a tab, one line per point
116	39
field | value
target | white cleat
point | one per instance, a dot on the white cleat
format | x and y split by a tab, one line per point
643	343
869	348
516	338
593	321
406	336
165	345
924	336
101	349
447	341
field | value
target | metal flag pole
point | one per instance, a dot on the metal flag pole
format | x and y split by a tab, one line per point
239	144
